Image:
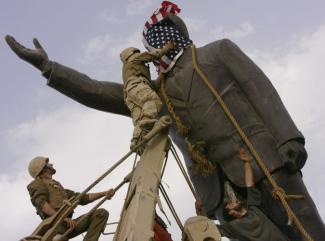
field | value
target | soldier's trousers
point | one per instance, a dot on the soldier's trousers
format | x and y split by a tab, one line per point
93	225
143	102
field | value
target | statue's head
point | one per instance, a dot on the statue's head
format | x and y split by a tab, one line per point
165	26
177	21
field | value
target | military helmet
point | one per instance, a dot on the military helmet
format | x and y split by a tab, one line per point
126	53
179	22
36	165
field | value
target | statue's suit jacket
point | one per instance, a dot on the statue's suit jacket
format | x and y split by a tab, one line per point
245	89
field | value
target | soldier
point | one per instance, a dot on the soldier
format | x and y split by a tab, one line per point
47	195
245	221
141	99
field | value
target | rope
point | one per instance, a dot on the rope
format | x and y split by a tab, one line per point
181	167
158	199
278	192
201	163
181	128
171	207
104	199
117	164
127	192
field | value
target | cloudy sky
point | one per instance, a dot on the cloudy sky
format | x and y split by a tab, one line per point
285	38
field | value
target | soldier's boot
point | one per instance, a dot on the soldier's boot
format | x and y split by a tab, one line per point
140	149
58	237
138	133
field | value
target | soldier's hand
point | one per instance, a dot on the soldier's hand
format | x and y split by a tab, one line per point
128	177
244	155
169	45
70	223
110	193
37	57
199	208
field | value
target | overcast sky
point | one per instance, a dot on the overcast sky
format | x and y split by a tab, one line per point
285	38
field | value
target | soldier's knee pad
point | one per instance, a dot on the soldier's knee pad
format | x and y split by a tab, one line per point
101	212
150	109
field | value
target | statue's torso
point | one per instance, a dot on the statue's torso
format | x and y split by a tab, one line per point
198	108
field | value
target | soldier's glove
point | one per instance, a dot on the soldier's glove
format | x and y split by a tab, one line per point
37	57
293	154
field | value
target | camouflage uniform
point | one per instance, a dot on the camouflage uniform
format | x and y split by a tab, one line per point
43	190
141	99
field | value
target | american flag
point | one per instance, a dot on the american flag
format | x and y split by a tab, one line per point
158	31
160	14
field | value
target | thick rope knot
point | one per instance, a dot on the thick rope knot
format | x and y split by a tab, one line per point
278	192
202	165
181	128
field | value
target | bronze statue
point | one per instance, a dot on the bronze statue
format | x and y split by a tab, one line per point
249	95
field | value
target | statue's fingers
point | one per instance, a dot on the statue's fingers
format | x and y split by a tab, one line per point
37	44
9	39
14	45
39	47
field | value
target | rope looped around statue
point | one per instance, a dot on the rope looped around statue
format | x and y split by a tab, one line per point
278	193
201	163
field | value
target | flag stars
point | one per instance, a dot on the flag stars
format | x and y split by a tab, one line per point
159	34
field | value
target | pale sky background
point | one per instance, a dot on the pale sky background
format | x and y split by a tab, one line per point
285	38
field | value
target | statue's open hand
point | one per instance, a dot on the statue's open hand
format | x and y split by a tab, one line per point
36	57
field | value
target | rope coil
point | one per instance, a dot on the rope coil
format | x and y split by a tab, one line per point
201	163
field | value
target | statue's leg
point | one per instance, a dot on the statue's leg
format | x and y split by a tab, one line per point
305	209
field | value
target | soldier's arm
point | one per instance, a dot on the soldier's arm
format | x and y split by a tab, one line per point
84	200
39	197
47	209
249	176
254	196
155	54
94	196
90	197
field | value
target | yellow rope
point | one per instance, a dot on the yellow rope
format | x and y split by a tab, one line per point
181	128
201	163
277	192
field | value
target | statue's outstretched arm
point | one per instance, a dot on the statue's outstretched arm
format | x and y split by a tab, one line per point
100	95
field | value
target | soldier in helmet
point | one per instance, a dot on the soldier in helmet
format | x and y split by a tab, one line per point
47	195
141	99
